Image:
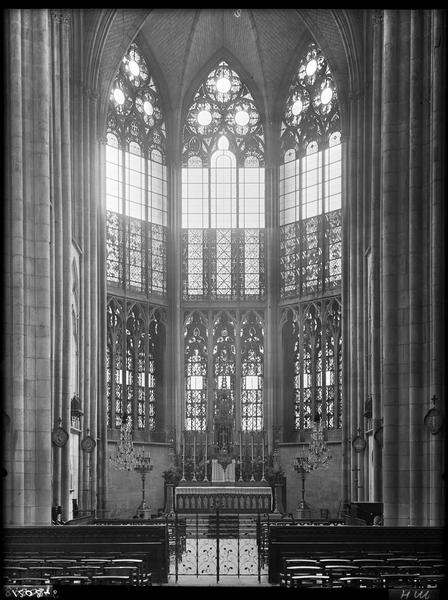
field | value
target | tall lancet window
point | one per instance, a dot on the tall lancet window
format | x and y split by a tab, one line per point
311	242
136	181
136	237
196	372
310	182
223	257
252	363
223	192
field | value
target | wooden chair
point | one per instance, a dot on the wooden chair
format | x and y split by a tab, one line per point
402	560
136	562
433	580
110	580
30	580
86	570
399	580
294	570
291	562
360	582
301	561
336	571
335	561
131	571
70	579
10	569
60	561
310	581
368	567
95	561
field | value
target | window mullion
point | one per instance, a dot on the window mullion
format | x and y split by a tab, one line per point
147	377
112	358
298	175
148	258
323	217
135	385
302	363
323	355
238	374
124	356
210	372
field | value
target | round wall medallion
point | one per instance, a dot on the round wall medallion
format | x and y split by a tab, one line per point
433	421
359	444
88	444
59	436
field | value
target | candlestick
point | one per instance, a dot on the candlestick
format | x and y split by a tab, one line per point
241	456
183	455
194	456
252	478
205	466
262	452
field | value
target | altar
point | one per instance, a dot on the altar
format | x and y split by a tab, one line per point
222	467
244	497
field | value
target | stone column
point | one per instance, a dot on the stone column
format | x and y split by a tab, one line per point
360	392
350	300
61	198
437	278
102	467
175	353
14	319
389	257
86	317
271	397
375	252
389	275
57	251
27	485
417	359
347	381
94	222
395	332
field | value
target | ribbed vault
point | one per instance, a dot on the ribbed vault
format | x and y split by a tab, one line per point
264	43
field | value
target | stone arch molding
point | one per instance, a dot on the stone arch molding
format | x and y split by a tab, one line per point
113	32
335	30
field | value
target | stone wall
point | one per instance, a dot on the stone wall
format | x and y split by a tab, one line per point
125	487
323	487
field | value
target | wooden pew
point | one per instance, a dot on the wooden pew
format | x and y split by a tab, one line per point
149	542
350	541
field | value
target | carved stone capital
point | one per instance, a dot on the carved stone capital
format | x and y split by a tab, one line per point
377	18
61	15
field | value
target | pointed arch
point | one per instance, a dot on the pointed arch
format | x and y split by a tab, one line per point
223	55
252	371
136	180
223	190
196	368
222	104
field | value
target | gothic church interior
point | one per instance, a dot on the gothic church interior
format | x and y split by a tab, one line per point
224	264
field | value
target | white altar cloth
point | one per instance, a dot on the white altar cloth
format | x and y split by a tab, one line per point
223	489
220	474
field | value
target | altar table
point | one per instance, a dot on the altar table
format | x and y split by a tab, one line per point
229	498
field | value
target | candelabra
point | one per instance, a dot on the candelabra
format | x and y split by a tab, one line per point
311	457
143	466
126	459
